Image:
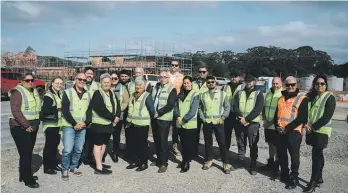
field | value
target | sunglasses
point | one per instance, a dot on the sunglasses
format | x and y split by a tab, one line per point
81	79
202	72
320	83
28	80
210	82
292	85
175	65
114	78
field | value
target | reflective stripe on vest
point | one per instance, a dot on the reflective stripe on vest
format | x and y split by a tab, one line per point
94	86
200	90
137	112
184	108
131	88
107	102
212	111
288	110
78	108
55	98
31	103
317	110
162	101
229	94
246	105
271	104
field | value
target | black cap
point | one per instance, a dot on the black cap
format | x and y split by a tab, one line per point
234	73
249	78
124	72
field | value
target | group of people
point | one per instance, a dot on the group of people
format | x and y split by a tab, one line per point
89	113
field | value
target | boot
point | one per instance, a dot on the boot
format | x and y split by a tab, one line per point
311	187
269	165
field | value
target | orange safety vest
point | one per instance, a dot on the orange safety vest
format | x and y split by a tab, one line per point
288	111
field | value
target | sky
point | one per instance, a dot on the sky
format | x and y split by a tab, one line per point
62	28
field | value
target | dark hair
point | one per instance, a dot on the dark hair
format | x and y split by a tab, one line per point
202	64
113	72
176	61
313	92
210	78
54	79
188	78
88	68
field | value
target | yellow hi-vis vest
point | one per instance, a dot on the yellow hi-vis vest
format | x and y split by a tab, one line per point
203	89
246	105
131	88
31	103
94	86
56	102
162	101
78	108
230	96
213	108
137	111
184	108
271	104
316	111
107	101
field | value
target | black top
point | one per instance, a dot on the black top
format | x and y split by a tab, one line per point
97	104
330	107
257	108
302	116
66	111
47	108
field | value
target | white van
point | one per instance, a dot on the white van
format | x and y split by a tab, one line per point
152	78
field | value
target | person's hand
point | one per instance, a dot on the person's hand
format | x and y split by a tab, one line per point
77	126
179	120
308	128
116	120
242	121
29	129
59	106
220	121
83	125
156	115
281	130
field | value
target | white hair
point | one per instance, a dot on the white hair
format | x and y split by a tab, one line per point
105	75
140	80
139	68
290	78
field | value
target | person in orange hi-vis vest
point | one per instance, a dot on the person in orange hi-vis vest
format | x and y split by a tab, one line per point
290	117
176	80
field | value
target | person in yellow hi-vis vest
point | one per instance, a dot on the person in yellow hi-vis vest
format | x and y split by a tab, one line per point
165	97
187	114
105	113
91	86
52	105
321	107
24	123
271	135
248	105
214	109
231	90
75	119
140	112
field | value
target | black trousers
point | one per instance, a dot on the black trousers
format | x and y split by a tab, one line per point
188	140
249	133
317	164
50	160
87	151
289	142
160	132
218	129
116	136
25	142
198	134
137	140
175	134
229	125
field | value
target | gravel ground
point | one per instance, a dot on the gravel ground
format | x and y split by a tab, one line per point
196	180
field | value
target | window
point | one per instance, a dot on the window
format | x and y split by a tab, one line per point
152	78
12	76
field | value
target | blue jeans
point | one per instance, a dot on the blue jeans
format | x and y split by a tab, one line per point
73	144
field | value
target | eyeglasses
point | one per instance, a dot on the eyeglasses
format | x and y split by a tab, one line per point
28	80
320	84
81	79
163	76
292	85
210	82
175	65
114	78
202	72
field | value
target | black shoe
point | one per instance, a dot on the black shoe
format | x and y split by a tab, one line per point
142	167
268	166
32	185
320	182
153	164
58	169
106	166
132	166
35	178
102	171
114	157
292	184
239	164
252	170
162	169
50	171
185	166
311	187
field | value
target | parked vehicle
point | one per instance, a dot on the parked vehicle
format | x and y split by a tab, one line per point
152	78
11	79
222	81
